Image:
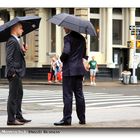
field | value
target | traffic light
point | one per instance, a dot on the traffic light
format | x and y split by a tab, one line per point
138	44
130	44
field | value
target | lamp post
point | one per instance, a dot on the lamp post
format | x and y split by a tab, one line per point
134	77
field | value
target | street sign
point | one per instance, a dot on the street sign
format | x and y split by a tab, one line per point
137	32
132	27
137	28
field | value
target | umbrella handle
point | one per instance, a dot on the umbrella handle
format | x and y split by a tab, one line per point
86	36
86	32
24	45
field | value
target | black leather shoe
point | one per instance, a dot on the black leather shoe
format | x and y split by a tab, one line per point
16	122
24	120
62	122
82	122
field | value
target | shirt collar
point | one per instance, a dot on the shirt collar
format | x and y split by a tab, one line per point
69	32
16	37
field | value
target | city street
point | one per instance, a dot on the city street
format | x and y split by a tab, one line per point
107	106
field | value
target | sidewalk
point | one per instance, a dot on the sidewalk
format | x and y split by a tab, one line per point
100	83
105	118
127	117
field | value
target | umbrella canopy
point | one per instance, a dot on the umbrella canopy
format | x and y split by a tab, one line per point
29	24
74	23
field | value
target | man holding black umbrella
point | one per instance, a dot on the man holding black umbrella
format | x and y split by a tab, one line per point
73	71
15	70
74	63
15	62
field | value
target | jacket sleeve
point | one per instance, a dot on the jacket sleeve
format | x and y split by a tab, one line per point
67	49
10	49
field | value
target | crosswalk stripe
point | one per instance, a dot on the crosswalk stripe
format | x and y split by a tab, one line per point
111	102
114	106
93	100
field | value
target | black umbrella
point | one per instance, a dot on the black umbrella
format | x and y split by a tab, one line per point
29	24
74	23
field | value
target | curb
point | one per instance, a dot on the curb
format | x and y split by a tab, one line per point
86	83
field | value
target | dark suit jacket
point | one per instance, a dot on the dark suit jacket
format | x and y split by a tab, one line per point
15	62
73	52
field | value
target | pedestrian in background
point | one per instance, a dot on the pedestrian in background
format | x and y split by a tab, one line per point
73	71
93	69
56	66
52	69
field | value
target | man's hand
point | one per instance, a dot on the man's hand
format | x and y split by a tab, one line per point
24	47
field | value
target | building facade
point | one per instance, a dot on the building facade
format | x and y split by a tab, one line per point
109	47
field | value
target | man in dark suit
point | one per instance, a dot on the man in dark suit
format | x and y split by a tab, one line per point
73	71
15	70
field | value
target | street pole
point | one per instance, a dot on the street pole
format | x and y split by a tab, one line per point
134	77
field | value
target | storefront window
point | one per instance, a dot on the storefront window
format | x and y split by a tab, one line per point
95	10
71	11
117	11
53	38
94	41
53	33
117	32
137	12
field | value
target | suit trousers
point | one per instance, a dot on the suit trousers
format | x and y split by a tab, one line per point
15	98
73	84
